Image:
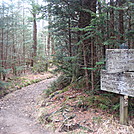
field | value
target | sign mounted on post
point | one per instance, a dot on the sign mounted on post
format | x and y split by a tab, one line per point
119	77
119	74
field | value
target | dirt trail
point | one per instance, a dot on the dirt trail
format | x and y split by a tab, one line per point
18	110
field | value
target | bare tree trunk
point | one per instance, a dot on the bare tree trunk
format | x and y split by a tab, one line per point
48	44
45	42
52	44
6	51
93	8
69	34
121	22
85	65
7	42
103	47
13	47
2	44
85	20
49	34
48	48
34	51
2	52
14	59
112	21
92	65
24	38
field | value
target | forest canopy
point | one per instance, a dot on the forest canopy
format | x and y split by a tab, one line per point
70	34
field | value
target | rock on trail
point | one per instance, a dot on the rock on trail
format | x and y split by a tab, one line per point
18	110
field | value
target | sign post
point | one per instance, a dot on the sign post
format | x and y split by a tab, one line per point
124	110
119	77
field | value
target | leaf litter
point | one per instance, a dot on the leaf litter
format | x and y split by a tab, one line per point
68	114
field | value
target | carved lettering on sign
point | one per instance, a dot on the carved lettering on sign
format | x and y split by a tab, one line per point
119	60
120	83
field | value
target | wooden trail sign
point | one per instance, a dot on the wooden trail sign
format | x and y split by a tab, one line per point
120	83
119	77
119	74
119	60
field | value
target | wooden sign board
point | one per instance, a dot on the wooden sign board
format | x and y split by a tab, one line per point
131	59
120	83
119	77
119	60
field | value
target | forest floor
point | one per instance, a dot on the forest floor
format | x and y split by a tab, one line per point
67	112
29	111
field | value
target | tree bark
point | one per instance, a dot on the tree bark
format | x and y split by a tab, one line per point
49	34
24	53
34	51
121	21
69	34
2	44
93	8
112	21
85	20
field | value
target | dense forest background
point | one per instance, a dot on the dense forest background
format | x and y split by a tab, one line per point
70	34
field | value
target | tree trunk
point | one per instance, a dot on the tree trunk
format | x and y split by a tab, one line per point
85	20
48	43
93	8
85	65
52	45
49	33
24	53
112	21
2	44
121	22
69	34
34	51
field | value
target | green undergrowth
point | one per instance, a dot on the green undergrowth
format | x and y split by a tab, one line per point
72	97
59	85
16	83
3	90
19	82
96	99
99	101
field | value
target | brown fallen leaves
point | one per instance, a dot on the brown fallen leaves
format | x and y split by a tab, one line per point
67	113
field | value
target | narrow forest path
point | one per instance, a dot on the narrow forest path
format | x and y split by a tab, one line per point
18	110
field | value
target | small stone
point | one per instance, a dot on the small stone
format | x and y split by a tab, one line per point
69	127
84	121
67	110
56	120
